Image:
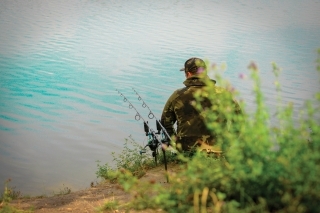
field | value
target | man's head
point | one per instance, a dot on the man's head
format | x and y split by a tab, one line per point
194	66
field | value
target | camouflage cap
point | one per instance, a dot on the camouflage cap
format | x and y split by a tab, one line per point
193	65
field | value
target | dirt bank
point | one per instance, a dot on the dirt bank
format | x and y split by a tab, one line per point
91	199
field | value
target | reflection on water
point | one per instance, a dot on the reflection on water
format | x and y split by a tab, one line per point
62	61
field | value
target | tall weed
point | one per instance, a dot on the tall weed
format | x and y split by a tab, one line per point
8	195
130	159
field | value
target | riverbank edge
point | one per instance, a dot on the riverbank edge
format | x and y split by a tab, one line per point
102	197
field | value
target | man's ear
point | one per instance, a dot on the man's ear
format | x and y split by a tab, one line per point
188	74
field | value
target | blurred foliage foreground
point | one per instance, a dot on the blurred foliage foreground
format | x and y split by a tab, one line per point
266	167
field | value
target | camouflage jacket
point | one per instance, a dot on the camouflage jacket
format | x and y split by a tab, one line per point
190	122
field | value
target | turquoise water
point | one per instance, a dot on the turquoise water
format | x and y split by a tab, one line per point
61	63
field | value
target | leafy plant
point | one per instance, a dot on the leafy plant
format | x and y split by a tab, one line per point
268	167
10	194
110	205
129	159
64	191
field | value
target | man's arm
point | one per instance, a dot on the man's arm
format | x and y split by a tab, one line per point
168	117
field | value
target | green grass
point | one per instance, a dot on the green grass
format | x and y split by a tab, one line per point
109	206
8	195
64	191
131	160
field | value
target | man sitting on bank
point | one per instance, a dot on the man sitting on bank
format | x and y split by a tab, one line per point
191	130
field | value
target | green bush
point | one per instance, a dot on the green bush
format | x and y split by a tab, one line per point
129	159
267	167
8	195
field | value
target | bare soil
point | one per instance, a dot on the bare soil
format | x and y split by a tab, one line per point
91	199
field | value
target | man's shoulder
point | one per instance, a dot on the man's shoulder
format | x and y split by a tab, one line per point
177	93
181	90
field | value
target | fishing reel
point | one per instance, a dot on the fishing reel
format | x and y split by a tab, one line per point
153	141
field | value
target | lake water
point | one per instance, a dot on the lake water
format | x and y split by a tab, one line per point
62	61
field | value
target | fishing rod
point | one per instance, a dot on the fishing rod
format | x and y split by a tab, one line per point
154	141
151	115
